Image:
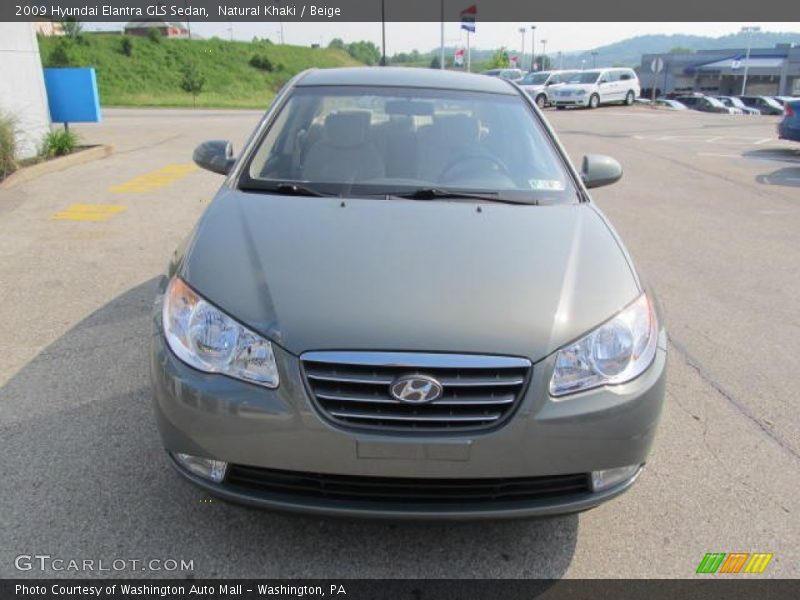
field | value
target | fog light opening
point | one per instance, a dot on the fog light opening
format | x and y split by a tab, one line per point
212	470
602	480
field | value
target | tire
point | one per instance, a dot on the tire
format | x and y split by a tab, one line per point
541	101
594	101
629	98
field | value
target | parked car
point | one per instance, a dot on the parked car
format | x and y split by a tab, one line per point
540	84
347	329
782	100
733	102
672	104
764	104
706	104
592	88
789	127
510	74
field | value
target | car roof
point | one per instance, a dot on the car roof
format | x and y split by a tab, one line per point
406	77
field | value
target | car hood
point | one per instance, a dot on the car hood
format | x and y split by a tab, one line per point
434	276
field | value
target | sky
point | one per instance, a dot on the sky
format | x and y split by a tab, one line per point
403	37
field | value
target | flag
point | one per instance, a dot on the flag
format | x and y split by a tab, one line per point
458	57
468	18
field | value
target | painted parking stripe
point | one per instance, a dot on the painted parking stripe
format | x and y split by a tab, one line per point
156	179
89	212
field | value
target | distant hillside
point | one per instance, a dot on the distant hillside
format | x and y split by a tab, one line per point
629	52
154	72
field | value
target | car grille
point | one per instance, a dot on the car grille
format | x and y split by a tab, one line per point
352	389
406	490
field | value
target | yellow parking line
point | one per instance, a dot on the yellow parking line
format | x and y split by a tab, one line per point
156	179
88	212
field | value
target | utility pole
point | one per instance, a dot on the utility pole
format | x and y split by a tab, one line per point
441	47
533	47
749	31
594	58
544	53
522	30
383	33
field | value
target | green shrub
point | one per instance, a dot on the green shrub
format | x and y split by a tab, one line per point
8	146
60	55
192	80
59	143
262	63
154	35
126	46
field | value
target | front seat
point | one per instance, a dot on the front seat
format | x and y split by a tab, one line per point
344	154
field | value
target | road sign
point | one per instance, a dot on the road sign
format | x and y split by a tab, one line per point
657	65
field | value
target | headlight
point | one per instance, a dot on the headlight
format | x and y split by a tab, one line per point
616	352
207	339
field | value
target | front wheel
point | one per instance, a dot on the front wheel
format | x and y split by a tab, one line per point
629	98
594	101
541	101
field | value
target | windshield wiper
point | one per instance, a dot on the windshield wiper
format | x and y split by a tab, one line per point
292	189
438	193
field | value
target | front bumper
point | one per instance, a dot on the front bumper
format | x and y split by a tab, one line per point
218	417
570	100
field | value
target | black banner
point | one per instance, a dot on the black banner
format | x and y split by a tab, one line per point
391	10
704	587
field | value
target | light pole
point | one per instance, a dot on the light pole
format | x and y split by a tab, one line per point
560	61
544	53
533	46
749	31
594	58
522	30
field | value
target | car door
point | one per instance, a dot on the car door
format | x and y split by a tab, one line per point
605	87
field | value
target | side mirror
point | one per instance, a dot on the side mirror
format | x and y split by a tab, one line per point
598	170
215	156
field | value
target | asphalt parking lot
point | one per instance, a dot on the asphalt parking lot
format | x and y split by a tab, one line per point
710	209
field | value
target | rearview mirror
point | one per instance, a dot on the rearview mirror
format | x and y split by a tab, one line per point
598	170
215	156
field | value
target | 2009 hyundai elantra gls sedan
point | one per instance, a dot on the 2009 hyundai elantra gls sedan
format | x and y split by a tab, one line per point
402	302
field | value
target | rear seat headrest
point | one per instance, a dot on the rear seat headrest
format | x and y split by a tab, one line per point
457	130
346	129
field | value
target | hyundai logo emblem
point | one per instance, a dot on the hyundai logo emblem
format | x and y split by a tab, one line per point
415	389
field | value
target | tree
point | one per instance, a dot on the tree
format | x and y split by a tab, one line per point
499	59
154	35
337	44
365	52
72	28
680	50
192	80
435	64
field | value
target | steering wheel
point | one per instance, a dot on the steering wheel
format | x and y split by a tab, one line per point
459	161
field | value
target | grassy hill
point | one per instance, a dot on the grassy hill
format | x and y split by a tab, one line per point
154	72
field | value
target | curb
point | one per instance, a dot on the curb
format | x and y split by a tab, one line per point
57	164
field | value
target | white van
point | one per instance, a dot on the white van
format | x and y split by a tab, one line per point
594	87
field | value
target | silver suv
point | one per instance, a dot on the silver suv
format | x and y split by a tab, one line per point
540	85
403	303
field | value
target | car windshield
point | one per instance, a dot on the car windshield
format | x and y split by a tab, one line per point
772	102
584	77
735	102
714	101
369	141
535	79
